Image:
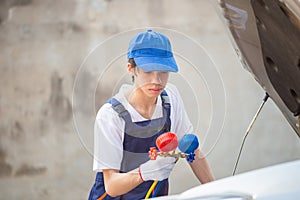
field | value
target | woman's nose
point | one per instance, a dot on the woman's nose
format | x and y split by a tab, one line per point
156	78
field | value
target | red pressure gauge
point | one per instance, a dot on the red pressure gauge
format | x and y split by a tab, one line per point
167	142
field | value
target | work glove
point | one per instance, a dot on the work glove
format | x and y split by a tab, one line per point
158	169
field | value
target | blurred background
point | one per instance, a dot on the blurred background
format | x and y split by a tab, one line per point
60	60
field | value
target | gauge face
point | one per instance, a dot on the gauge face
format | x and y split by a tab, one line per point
189	143
167	142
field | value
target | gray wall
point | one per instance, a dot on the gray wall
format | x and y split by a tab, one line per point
46	114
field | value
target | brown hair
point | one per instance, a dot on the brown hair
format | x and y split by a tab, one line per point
132	62
133	65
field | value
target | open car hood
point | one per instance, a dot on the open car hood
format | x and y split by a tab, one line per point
266	37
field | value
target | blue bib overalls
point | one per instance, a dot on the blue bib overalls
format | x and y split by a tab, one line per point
138	138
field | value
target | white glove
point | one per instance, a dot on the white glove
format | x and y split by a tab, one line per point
158	169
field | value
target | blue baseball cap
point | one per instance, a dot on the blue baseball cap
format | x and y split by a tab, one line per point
152	51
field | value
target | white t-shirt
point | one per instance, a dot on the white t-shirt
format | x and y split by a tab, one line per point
109	127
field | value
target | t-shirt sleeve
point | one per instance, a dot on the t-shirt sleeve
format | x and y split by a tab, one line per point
180	122
108	139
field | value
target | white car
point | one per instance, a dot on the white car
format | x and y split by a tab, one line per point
276	182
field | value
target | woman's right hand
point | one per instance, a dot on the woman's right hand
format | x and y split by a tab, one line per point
158	169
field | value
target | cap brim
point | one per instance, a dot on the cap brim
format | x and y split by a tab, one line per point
156	64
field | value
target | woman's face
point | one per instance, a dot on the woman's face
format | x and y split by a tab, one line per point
151	83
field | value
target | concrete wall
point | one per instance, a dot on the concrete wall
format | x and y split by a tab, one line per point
46	142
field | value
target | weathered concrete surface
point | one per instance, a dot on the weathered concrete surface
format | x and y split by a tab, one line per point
43	43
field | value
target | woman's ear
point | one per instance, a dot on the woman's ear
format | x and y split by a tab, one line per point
130	68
